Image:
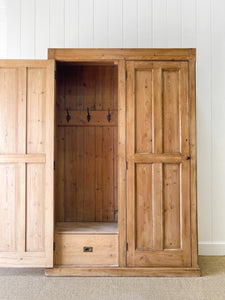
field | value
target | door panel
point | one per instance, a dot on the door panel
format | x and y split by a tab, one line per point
158	175
26	163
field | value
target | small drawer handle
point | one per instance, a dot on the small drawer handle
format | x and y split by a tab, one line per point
87	249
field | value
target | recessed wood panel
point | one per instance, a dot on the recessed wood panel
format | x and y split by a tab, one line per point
171	111
8	206
36	110
143	103
13	112
144	207
172	205
35	208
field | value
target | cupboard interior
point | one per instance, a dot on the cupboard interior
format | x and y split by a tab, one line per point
86	152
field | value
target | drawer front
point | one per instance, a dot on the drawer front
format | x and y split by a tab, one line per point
71	249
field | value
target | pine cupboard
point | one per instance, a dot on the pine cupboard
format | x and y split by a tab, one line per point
98	163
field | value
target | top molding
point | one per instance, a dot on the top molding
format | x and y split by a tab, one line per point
107	54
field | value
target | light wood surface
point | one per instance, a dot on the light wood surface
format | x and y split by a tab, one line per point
69	249
119	54
86	159
118	271
87	227
158	187
27	163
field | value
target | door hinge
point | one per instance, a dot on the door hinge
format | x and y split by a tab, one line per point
127	246
126	74
53	246
54	165
126	165
55	74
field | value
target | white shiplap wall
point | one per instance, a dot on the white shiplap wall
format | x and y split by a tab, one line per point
29	27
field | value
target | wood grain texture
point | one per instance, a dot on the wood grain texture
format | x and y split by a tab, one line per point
29	163
87	227
119	271
69	249
160	193
89	149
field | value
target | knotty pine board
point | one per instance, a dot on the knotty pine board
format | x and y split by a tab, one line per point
86	156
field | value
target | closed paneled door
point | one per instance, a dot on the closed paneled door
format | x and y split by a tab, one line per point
26	163
158	174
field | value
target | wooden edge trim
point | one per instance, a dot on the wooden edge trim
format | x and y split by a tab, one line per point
117	271
79	54
153	158
193	153
22	158
122	162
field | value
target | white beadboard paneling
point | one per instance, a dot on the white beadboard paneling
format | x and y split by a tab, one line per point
211	248
13	15
42	29
115	24
160	24
71	23
145	24
100	23
218	119
3	29
130	24
204	133
86	26
188	23
174	23
57	23
28	17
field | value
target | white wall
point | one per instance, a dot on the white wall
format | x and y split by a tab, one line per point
29	27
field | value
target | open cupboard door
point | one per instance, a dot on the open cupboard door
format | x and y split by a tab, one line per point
26	163
158	175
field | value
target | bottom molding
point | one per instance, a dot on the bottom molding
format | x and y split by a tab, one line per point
117	271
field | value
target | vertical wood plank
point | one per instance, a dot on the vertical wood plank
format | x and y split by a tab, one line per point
107	82
144	207
42	29
115	25
89	174
171	206
28	19
115	172
71	23
90	88
108	207
122	163
57	24
8	195
59	175
100	11
69	173
130	31
171	108
145	23
143	111
99	87
36	110
86	30
35	217
99	173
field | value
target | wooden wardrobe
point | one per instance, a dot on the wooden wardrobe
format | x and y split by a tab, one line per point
98	163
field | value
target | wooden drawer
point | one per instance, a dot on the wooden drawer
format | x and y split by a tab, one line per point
70	249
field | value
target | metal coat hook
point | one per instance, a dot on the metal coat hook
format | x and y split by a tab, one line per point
88	115
68	117
109	116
